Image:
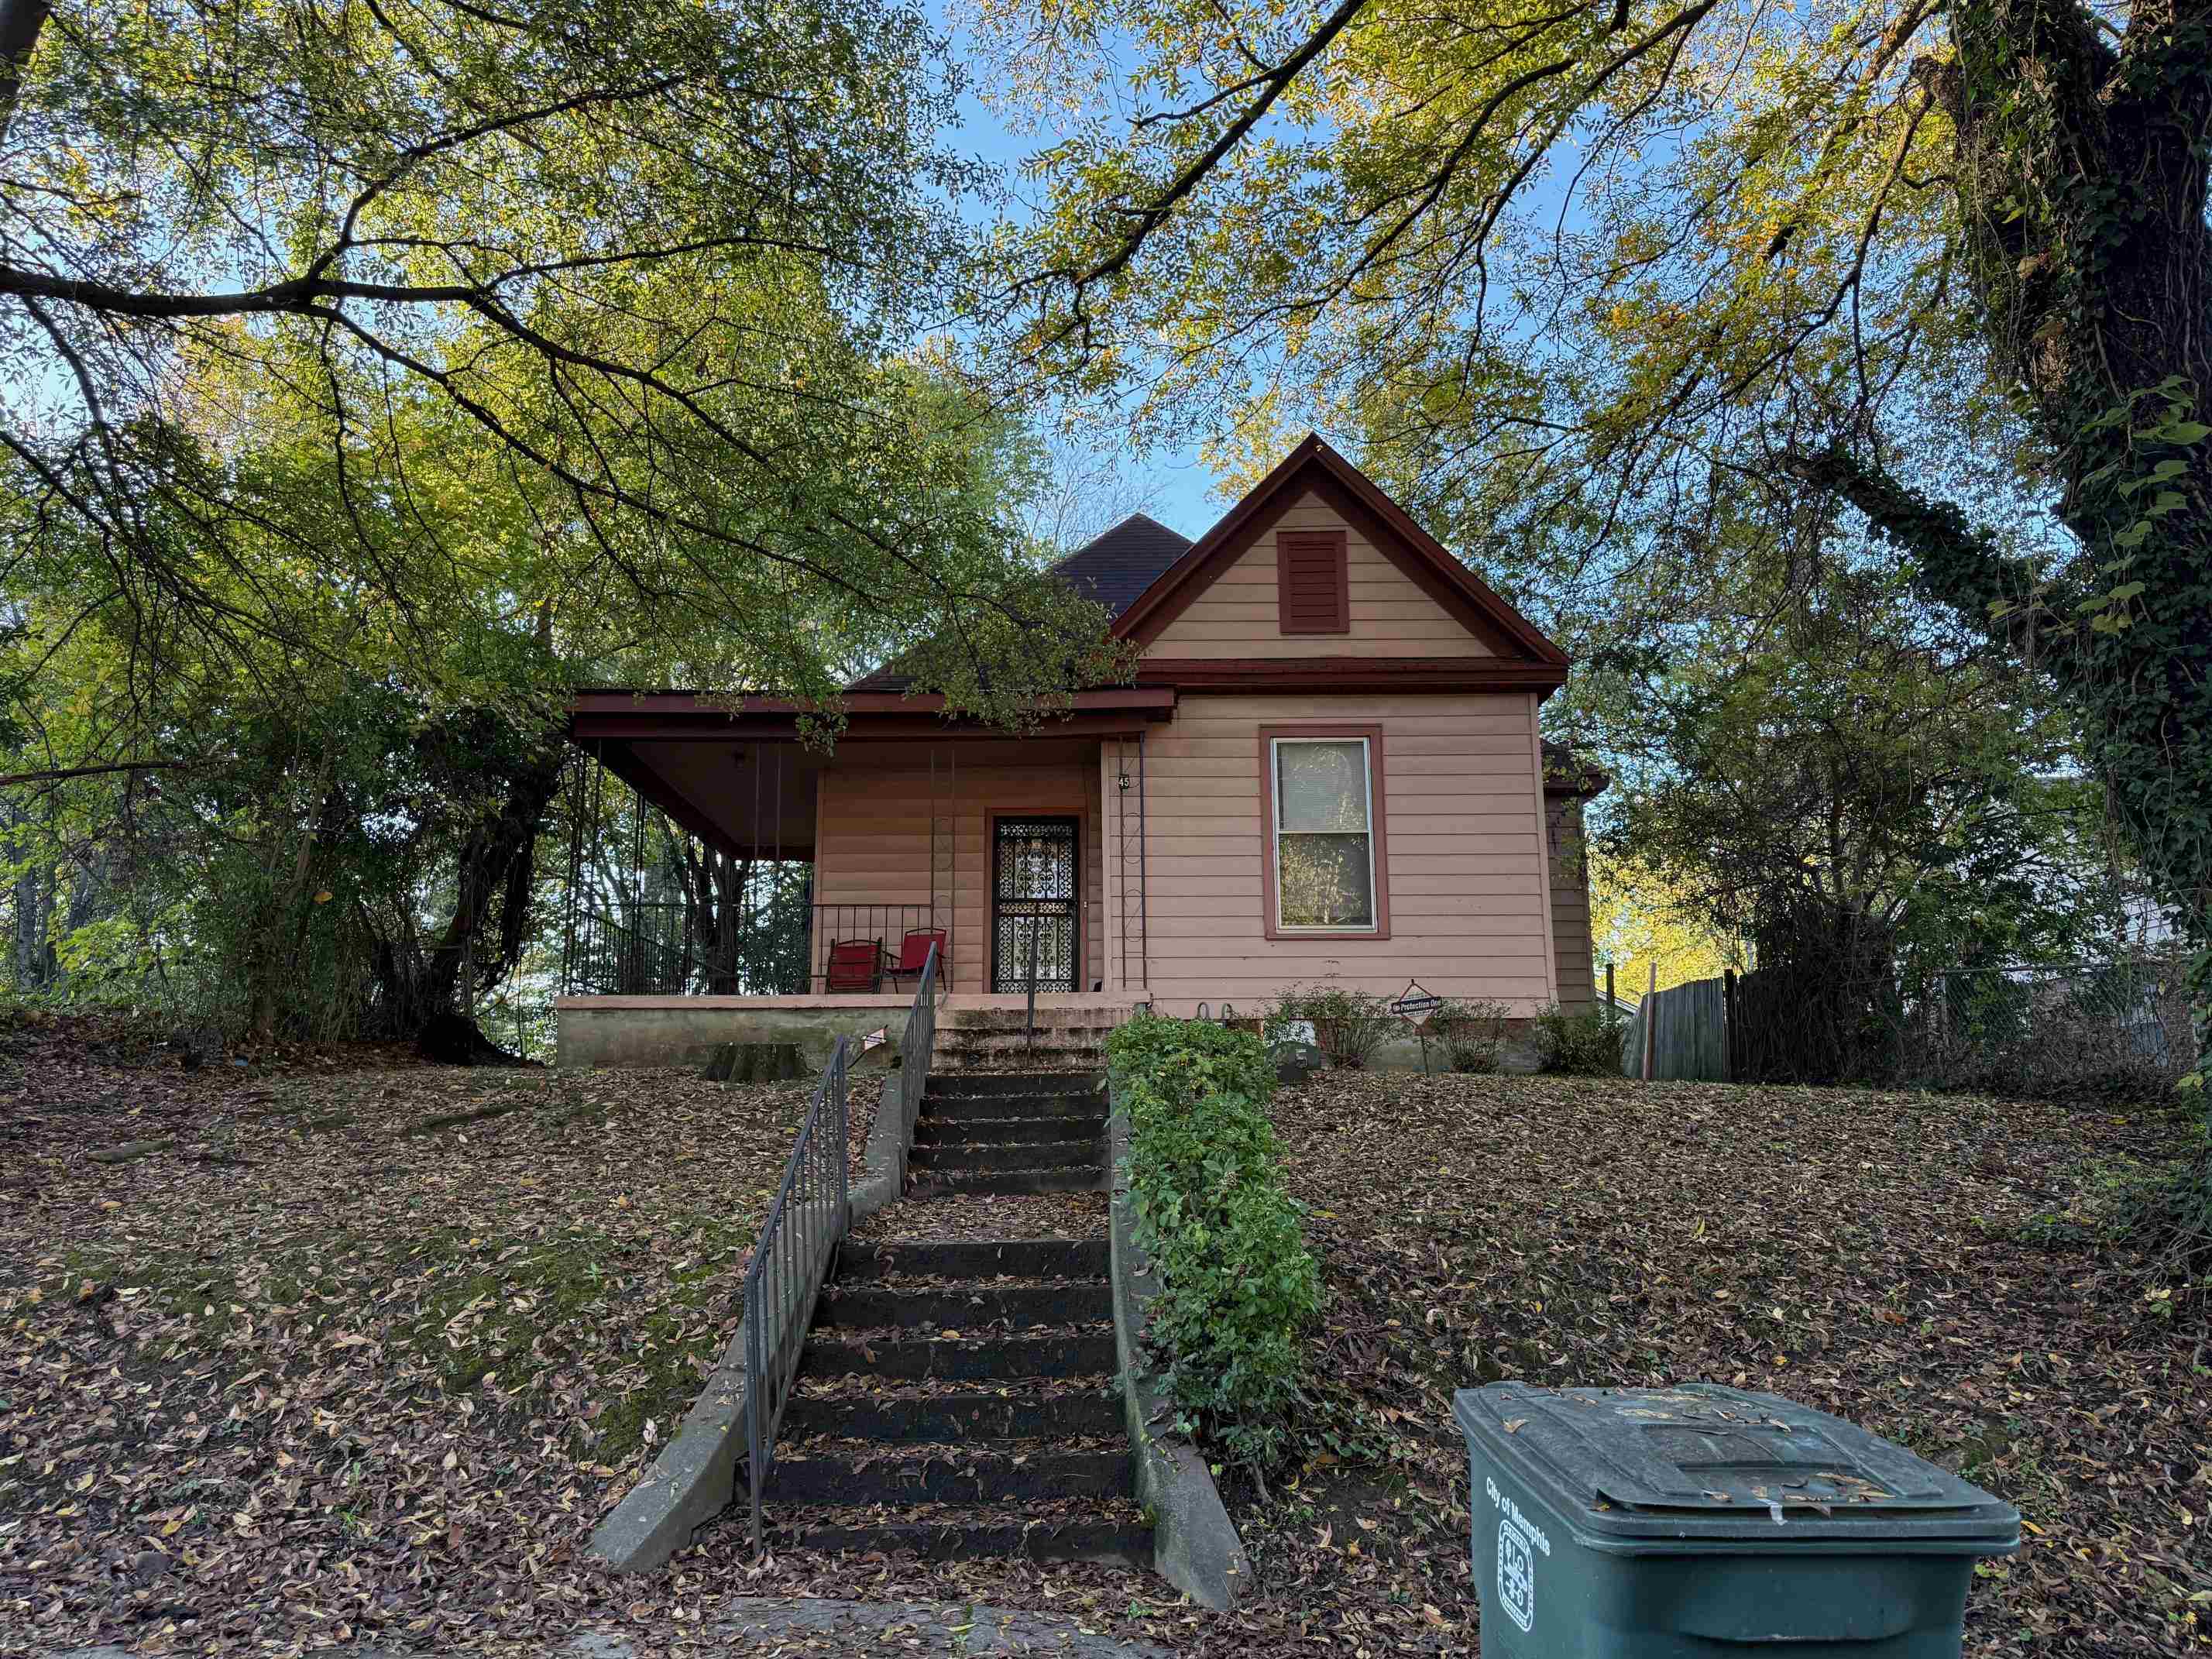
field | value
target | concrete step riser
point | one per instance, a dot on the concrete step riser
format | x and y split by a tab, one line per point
996	1360
929	1133
1007	1183
1094	1541
1024	1305
953	1415
1048	1051
943	1111
1021	1258
1012	1083
951	1476
1021	1155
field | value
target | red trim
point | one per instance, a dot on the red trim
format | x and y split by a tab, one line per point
1349	674
1313	465
716	726
615	701
1375	830
1320	560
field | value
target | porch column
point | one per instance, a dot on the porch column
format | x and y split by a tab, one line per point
1109	866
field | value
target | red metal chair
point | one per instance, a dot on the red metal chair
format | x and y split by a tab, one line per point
913	954
856	965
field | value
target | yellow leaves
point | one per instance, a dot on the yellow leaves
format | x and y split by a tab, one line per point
1640	916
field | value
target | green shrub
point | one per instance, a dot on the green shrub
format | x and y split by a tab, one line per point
1474	1033
1587	1044
1237	1285
1348	1025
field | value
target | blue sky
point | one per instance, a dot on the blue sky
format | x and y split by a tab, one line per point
1178	482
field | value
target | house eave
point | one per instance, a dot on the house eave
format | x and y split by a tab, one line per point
1349	674
617	714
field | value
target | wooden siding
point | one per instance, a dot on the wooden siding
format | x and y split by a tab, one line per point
873	847
1239	615
1470	913
1571	911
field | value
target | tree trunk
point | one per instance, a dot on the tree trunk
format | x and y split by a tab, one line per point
715	887
2081	176
498	865
20	21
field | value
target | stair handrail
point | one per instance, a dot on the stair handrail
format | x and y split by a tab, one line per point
799	1239
916	1047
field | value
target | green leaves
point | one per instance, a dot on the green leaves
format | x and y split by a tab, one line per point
1237	1287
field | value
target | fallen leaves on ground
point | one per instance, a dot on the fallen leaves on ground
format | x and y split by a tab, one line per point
1865	1253
376	1386
352	1357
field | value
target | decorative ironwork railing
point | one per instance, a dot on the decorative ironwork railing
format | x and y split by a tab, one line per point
808	1216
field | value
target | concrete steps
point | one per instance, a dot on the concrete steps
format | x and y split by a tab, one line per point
957	1397
1000	1134
985	1039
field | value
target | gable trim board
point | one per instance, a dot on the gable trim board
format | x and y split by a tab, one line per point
1368	673
1314	467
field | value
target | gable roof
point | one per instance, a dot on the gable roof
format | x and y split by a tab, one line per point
1112	568
1115	568
1314	467
1146	575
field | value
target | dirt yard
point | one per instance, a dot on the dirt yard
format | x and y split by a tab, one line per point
334	1358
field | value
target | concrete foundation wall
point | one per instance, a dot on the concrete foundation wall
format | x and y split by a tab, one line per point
636	1037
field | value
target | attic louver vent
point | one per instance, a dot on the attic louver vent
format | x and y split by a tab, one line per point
1311	584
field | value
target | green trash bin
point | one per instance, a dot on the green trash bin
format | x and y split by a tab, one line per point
1633	1524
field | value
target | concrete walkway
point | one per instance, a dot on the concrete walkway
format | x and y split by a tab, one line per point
780	1626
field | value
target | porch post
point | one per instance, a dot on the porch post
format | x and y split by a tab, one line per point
1109	874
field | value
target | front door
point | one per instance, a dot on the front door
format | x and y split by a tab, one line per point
1034	911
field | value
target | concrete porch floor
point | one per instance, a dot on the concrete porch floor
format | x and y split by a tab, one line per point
680	1030
899	1000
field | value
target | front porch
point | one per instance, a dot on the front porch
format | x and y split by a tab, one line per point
749	886
973	1028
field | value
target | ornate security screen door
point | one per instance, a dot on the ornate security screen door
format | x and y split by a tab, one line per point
1033	894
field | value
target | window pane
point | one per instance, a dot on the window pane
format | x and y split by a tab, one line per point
1324	882
1321	787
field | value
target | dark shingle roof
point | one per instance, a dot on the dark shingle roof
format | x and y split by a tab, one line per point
1566	773
1113	569
1117	567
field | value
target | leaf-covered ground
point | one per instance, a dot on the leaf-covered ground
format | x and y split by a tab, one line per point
1872	1255
335	1356
348	1374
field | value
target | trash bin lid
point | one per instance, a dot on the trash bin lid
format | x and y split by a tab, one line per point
1705	1460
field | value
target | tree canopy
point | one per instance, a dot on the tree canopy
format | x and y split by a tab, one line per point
647	291
1594	284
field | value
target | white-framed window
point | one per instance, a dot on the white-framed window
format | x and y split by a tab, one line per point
1323	812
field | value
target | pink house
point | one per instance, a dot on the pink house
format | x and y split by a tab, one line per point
1329	766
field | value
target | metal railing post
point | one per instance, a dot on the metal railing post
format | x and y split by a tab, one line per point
1036	927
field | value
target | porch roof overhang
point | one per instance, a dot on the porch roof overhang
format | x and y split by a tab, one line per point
644	715
734	772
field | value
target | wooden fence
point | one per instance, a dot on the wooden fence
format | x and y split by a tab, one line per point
1689	1027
